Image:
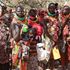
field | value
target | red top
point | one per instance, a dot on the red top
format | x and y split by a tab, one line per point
31	22
39	28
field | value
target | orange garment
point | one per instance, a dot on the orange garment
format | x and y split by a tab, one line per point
24	66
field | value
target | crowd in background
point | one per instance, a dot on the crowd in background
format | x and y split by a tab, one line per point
26	37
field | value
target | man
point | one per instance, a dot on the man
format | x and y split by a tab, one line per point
32	16
65	13
53	10
64	31
16	26
18	21
66	36
40	19
32	63
52	30
5	36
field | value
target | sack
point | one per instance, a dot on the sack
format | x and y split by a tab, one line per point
43	54
56	53
48	46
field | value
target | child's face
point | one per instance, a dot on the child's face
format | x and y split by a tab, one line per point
30	34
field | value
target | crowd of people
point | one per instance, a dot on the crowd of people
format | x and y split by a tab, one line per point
38	40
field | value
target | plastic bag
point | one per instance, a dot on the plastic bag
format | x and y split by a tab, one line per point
44	54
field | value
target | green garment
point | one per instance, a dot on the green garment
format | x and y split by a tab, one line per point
49	14
19	18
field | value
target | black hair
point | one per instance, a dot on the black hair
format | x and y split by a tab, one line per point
32	12
51	5
21	7
67	8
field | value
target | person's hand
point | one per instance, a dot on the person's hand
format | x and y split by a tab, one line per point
12	42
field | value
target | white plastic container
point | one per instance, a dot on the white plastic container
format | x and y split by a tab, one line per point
44	53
